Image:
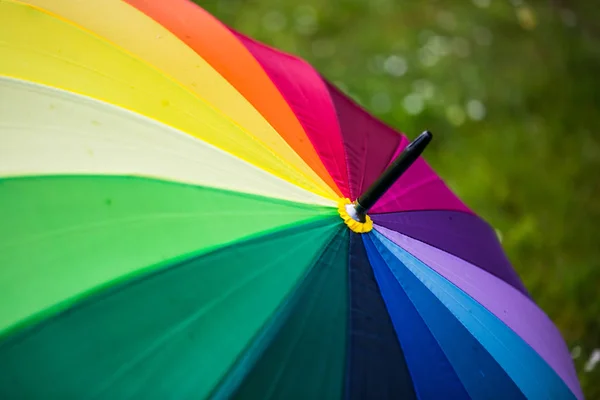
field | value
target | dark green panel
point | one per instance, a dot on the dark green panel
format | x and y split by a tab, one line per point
302	355
170	334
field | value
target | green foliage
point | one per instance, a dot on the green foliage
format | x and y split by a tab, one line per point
510	92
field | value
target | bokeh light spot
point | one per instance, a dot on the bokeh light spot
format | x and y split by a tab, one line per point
413	103
395	65
476	110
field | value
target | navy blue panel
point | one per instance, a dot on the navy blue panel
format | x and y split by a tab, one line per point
432	373
376	365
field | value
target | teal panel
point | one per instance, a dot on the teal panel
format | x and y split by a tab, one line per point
173	333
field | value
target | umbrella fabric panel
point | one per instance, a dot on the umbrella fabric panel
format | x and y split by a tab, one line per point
364	137
463	235
192	319
219	47
301	353
376	365
52	51
420	188
478	371
432	374
68	235
47	131
517	311
533	376
114	20
307	95
371	146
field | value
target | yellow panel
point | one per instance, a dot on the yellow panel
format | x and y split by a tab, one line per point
37	45
115	20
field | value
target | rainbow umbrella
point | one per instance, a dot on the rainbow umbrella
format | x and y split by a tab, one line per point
188	213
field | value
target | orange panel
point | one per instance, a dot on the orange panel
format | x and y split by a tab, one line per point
218	46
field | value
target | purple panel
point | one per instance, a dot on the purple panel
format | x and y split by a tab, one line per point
464	235
513	308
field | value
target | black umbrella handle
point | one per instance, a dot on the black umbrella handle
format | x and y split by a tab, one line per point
408	156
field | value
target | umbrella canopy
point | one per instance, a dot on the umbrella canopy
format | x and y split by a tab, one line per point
177	222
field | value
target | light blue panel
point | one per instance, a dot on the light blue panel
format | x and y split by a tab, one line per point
433	375
477	370
534	377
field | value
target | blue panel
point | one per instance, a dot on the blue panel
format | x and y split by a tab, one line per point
433	376
480	374
462	323
376	365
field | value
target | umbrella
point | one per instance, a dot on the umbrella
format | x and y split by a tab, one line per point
188	213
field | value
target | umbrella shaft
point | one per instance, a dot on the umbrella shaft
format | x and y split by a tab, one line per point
410	154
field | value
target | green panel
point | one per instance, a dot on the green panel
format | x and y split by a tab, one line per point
172	333
64	236
302	354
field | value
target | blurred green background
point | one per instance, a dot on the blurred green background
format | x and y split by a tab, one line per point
510	91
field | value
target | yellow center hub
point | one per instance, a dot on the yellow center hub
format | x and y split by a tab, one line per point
354	225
